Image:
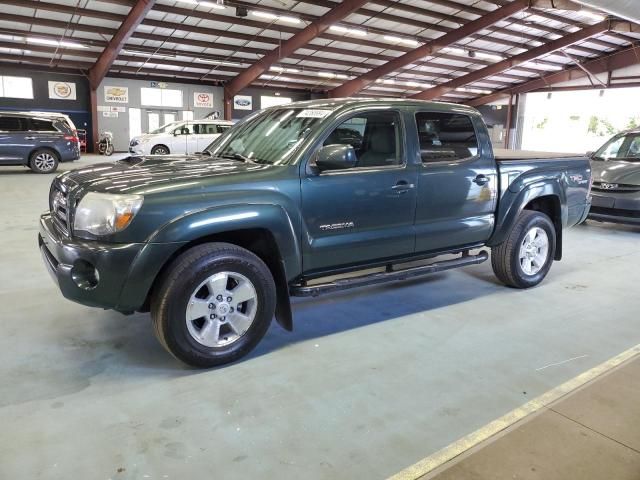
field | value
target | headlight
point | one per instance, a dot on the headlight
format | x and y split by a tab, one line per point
105	213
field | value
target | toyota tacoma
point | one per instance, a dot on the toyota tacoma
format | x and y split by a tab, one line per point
292	198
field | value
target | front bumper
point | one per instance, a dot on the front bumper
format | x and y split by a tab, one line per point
615	207
67	260
137	150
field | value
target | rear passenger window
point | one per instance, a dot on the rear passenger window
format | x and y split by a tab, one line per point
37	125
223	128
374	136
11	124
208	129
446	136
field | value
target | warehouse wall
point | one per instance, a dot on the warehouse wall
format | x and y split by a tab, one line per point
78	109
120	126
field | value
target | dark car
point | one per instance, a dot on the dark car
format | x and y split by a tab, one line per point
215	244
616	180
37	140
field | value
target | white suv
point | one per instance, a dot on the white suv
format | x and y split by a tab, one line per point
185	137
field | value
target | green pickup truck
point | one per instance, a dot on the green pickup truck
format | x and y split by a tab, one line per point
291	199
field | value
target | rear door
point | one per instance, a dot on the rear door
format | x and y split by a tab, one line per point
14	147
42	133
457	181
363	214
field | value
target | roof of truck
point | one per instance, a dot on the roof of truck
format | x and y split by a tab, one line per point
335	103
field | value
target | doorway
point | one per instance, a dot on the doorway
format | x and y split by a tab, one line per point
157	118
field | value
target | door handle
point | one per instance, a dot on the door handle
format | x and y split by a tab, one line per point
29	138
481	180
402	187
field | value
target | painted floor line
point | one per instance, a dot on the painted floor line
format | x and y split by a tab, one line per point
467	442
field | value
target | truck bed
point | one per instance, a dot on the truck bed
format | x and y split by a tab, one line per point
507	155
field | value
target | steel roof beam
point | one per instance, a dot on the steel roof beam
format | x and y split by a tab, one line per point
354	86
299	40
512	62
110	53
608	63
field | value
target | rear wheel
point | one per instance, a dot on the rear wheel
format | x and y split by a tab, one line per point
43	161
213	305
160	150
526	255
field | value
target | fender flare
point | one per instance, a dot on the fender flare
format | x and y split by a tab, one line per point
163	243
517	197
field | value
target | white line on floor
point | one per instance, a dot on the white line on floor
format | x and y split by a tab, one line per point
561	363
460	446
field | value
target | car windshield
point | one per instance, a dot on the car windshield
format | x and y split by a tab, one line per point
624	147
269	137
166	128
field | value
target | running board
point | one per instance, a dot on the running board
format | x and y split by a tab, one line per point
390	275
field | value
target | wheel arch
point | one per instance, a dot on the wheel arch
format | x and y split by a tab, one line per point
40	148
265	230
160	145
259	241
547	197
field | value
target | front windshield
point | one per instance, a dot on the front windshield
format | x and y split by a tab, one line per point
269	137
169	127
625	147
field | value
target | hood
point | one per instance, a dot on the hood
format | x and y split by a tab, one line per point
611	171
147	174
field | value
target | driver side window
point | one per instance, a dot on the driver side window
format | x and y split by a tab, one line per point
374	136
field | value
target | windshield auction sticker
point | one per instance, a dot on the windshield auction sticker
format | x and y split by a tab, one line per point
313	113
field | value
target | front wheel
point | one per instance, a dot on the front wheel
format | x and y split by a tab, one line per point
108	150
526	255
214	304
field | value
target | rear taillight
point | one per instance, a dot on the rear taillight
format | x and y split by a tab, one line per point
72	138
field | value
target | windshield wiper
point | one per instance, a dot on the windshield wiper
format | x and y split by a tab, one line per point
236	156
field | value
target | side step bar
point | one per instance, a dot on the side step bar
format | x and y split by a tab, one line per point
390	275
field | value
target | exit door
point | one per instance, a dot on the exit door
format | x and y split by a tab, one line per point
158	118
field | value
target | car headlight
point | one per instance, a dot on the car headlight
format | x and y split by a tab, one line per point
105	213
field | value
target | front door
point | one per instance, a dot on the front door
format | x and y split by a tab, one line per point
362	214
457	182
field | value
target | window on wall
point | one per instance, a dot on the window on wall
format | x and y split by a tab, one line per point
267	101
16	87
161	97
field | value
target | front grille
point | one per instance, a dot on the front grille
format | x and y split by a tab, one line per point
59	206
615	187
615	212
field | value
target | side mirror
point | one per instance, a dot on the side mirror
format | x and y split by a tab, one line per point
176	132
589	154
336	157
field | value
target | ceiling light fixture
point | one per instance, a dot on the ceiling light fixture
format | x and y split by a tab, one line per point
283	69
216	5
406	41
273	16
141	53
348	31
56	43
218	62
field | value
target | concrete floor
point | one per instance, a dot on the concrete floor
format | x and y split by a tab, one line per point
592	434
370	381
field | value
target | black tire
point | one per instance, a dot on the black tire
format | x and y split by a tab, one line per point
108	151
169	302
44	161
160	150
505	257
